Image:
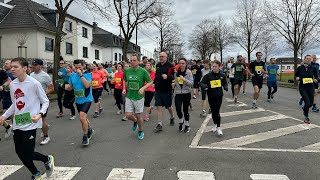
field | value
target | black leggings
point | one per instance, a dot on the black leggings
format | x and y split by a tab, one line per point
24	142
60	92
68	101
118	97
215	104
182	100
275	88
307	94
105	86
232	86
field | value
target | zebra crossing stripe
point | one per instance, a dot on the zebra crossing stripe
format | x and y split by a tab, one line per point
234	113
249	122
268	177
7	170
314	147
195	175
249	139
62	173
124	174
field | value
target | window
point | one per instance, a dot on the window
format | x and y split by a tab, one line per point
282	67
96	54
68	26
85	52
84	32
114	40
49	44
120	57
288	67
68	48
115	57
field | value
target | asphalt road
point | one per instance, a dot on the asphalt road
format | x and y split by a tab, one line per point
270	140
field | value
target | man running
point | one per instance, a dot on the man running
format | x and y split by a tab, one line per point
272	71
47	86
231	76
237	71
30	103
62	72
257	69
80	82
163	87
316	85
204	71
134	79
196	71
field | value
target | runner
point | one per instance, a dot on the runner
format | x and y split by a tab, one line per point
163	93
69	97
257	69
214	82
27	95
316	85
60	91
134	78
245	76
144	62
105	72
47	85
81	84
118	76
307	75
149	92
204	71
183	88
237	71
272	71
231	76
97	80
196	71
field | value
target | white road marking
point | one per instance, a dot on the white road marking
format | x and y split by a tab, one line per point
126	174
195	175
268	177
7	170
249	122
198	136
234	113
238	104
249	139
62	173
315	146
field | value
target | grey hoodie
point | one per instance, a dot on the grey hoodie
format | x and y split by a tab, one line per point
187	84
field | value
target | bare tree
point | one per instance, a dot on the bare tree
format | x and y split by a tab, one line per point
248	26
62	13
202	39
222	35
295	20
22	38
308	44
269	44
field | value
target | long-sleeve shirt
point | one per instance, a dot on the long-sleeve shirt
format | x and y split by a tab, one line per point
26	98
306	75
180	86
164	85
214	82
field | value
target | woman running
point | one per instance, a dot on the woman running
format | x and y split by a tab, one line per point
149	92
183	83
97	79
68	99
118	77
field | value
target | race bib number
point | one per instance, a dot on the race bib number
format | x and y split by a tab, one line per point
23	119
272	71
194	71
118	80
134	86
79	93
60	82
259	68
307	80
238	68
215	83
95	83
180	81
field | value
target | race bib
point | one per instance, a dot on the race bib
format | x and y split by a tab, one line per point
95	83
133	86
272	71
79	93
238	68
215	83
194	71
118	80
307	80
259	68
180	81
23	119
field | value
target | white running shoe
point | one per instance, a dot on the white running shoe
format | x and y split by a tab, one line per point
45	140
119	112
73	117
219	131
214	129
8	132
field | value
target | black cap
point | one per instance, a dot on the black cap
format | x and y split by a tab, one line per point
37	62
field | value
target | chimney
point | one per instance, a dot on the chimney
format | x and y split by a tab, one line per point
95	24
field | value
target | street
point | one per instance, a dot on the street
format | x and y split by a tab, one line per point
271	141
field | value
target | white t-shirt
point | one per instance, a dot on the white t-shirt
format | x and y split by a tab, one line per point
26	98
43	78
230	70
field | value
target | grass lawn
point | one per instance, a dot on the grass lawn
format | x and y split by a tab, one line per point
285	77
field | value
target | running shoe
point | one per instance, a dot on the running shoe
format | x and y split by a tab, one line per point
45	140
271	95
73	117
268	100
307	120
85	141
194	97
180	126
8	132
36	176
214	128
203	114
158	128
219	131
100	110
186	129
124	118
140	135
172	121
96	114
254	106
315	108
49	166
59	115
134	126
235	99
90	133
119	112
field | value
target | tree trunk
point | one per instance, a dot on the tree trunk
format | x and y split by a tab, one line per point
125	49
161	41
57	49
249	48
221	53
295	56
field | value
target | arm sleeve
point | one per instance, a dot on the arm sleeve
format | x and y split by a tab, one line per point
203	83
48	79
189	79
88	77
147	77
43	98
298	72
315	73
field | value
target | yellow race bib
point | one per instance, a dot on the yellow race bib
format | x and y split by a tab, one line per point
95	83
180	81
118	80
307	80
194	71
215	83
259	68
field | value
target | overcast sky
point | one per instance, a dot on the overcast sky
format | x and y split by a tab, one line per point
188	14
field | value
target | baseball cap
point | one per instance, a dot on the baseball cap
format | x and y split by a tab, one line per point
37	62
